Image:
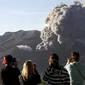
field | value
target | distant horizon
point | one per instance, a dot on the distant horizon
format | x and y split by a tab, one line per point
21	30
26	15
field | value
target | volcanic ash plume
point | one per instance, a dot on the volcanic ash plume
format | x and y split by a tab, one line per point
64	25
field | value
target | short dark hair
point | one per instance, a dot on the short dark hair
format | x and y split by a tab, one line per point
55	57
14	60
76	55
9	58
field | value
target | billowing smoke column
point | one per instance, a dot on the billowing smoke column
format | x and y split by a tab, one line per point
83	3
64	25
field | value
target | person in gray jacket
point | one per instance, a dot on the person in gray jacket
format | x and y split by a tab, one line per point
75	69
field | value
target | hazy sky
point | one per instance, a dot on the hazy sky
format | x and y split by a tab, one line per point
25	14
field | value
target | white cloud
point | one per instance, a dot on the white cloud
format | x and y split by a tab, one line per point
24	47
18	12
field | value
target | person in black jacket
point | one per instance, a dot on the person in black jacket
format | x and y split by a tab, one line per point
56	74
15	65
35	68
29	76
8	74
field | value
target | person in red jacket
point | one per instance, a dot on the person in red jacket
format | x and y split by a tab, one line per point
8	74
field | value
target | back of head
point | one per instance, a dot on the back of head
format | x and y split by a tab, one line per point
55	57
15	64
14	60
75	56
27	69
54	60
7	59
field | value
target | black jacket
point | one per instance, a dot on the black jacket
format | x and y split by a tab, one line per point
9	76
35	79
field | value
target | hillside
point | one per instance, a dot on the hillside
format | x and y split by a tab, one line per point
64	32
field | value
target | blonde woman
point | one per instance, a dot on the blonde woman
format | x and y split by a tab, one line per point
29	77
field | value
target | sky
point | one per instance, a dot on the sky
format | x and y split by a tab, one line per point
25	14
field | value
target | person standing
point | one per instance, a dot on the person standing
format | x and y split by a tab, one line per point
56	74
75	69
8	74
28	75
15	65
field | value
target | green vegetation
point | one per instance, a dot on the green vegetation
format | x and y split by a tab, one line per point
43	83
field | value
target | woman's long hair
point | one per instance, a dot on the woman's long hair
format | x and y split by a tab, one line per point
27	70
